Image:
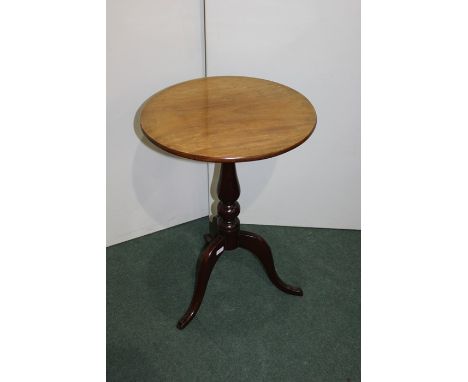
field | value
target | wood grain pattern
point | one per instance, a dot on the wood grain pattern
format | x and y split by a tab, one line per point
228	119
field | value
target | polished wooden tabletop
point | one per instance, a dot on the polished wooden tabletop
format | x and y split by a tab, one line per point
228	119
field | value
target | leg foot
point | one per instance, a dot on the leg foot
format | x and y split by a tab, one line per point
207	261
260	248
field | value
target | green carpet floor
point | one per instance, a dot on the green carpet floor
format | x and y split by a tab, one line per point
246	329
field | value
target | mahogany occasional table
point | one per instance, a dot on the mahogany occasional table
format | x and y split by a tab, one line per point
227	120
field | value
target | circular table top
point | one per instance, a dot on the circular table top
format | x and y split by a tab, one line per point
228	119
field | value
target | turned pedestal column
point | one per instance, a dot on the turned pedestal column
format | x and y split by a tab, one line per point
230	237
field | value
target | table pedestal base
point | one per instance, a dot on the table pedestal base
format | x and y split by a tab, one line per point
230	237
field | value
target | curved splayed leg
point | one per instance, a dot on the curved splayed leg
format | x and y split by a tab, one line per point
260	248
207	261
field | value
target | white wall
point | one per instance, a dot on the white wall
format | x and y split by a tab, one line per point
312	46
151	44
